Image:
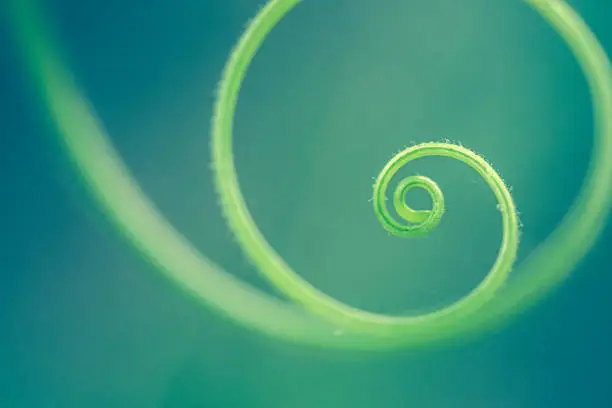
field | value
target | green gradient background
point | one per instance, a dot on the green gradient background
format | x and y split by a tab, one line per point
337	89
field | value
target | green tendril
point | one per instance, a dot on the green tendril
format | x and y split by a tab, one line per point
315	318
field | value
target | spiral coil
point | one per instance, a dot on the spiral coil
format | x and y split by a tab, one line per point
317	319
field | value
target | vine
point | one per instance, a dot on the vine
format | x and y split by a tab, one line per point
315	318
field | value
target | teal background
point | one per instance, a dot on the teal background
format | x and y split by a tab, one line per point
337	89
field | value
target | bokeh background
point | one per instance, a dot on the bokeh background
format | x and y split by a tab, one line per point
337	89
